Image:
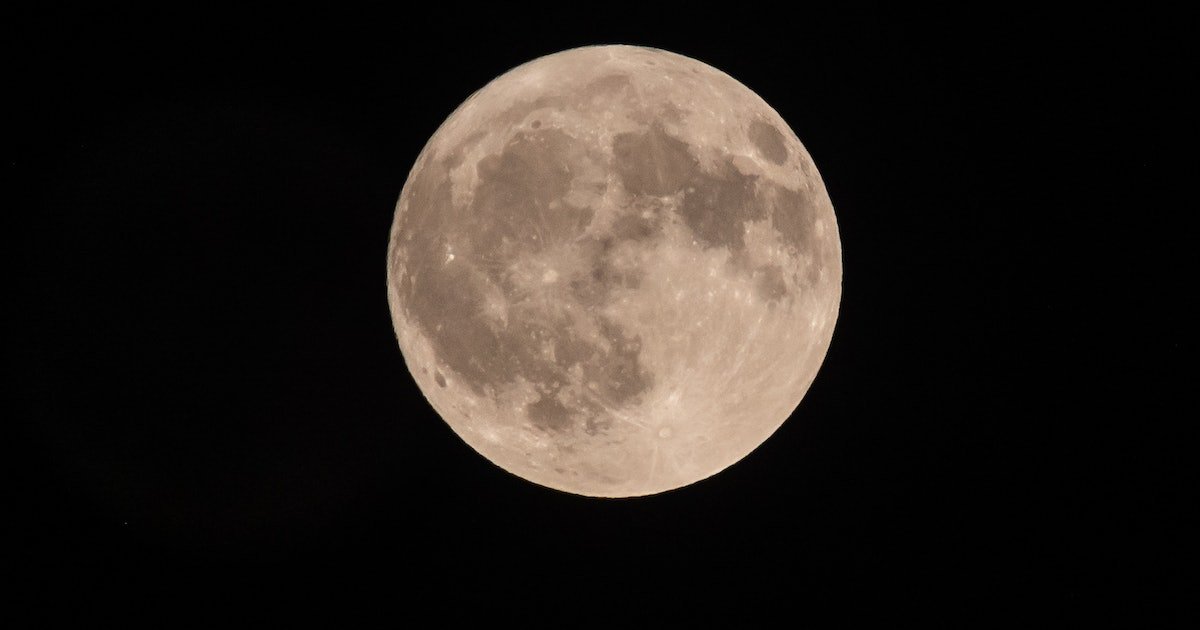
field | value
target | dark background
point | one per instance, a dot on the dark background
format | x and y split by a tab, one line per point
203	371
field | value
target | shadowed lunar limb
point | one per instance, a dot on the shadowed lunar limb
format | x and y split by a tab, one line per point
614	271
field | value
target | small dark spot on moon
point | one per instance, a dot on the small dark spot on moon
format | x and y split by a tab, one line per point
812	274
768	141
652	162
588	294
437	377
535	124
770	284
524	344
620	376
605	85
597	426
569	350
793	215
717	206
671	112
548	413
635	228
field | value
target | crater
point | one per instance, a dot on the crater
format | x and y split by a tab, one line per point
439	379
521	109
769	142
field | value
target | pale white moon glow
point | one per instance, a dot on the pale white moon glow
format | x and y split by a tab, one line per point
614	271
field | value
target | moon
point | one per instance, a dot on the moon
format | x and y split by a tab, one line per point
614	271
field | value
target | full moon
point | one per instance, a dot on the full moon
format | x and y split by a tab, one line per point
614	271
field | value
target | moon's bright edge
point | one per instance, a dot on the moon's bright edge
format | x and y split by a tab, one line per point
614	271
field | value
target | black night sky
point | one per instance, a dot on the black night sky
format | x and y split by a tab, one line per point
203	371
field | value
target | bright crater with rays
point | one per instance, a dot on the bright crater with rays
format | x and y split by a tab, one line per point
614	271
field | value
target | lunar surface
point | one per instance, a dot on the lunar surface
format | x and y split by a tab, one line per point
614	271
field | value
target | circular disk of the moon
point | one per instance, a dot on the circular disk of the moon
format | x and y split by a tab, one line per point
614	271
